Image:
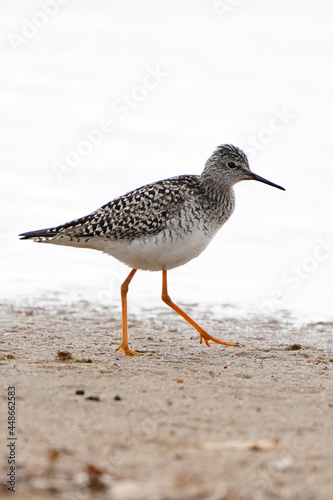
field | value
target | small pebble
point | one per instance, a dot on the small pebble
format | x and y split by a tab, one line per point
321	360
80	392
93	398
293	347
64	355
117	398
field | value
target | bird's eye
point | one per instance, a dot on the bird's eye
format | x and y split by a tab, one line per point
231	164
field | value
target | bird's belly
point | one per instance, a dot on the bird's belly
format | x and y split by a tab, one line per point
157	252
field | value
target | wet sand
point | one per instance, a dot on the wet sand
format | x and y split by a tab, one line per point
181	422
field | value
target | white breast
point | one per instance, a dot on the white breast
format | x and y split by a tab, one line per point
157	252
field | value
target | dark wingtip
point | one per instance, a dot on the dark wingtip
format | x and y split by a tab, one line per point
24	236
32	234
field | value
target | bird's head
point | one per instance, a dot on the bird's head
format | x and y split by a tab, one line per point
229	165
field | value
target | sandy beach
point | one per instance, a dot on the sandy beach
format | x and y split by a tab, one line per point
181	422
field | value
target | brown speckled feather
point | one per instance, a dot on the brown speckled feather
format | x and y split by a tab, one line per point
141	212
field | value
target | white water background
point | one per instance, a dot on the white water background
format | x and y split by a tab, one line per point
229	70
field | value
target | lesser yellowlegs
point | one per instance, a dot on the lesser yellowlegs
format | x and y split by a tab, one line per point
162	225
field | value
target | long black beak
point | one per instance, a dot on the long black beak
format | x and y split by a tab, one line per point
256	177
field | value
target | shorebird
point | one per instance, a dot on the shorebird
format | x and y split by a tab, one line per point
161	226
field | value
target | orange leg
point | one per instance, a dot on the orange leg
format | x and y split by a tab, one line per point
203	334
124	289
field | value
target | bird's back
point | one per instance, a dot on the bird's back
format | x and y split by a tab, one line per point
142	212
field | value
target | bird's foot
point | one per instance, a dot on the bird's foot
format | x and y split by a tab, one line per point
207	338
127	351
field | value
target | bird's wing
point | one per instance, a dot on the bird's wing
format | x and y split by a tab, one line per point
144	211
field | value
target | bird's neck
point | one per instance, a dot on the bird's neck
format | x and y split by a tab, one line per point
217	193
